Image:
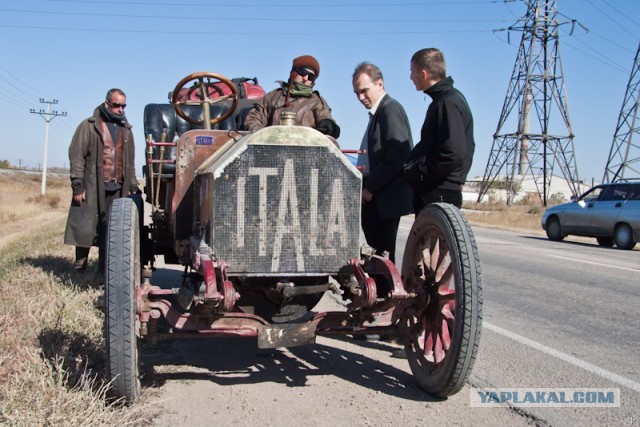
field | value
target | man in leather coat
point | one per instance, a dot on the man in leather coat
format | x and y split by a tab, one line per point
101	156
297	96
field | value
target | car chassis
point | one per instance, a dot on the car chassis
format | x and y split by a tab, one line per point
256	266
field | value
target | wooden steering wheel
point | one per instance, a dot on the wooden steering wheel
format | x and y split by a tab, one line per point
206	83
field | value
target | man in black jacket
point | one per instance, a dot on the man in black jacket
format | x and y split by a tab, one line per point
387	140
439	163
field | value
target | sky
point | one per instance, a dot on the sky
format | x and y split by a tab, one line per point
74	51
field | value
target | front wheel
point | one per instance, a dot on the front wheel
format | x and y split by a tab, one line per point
623	237
442	329
122	278
554	230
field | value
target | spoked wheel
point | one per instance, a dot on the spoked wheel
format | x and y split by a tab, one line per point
204	83
122	278
442	329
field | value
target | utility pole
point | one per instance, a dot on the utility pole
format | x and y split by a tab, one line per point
47	116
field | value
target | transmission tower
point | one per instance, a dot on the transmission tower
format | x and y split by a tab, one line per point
535	144
624	157
47	115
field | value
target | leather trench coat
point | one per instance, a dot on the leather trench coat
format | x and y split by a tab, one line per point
85	156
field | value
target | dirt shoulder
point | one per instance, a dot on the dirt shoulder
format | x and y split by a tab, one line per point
12	231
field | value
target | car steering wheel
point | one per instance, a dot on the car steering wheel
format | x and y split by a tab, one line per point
203	82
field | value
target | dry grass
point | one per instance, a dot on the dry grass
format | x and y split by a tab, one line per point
51	344
20	197
516	217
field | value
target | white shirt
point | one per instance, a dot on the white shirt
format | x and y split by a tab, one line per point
363	159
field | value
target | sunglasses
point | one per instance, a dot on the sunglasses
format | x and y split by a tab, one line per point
304	72
116	105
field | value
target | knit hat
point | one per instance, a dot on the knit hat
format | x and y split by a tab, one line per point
307	61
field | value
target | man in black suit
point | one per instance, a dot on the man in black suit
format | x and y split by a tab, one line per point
385	195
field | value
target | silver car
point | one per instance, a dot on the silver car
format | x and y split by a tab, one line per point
608	212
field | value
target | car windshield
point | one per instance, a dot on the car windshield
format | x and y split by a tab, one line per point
591	195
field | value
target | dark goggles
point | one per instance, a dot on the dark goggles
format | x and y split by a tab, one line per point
305	73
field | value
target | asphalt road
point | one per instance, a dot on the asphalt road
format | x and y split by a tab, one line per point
558	315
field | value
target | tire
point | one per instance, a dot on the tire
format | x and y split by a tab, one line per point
122	277
448	302
623	236
606	242
554	230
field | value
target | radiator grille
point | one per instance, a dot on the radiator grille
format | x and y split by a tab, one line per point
286	209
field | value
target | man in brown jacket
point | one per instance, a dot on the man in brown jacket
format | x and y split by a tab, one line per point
296	95
101	156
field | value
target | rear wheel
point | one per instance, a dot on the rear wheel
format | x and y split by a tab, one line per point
122	278
442	329
554	230
623	236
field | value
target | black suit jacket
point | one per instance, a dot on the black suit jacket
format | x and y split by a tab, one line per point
389	144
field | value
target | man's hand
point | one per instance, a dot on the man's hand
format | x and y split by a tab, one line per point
367	196
328	127
79	198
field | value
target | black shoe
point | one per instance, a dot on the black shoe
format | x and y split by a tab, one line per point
82	258
80	265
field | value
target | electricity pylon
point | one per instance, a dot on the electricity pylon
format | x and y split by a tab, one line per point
624	157
535	144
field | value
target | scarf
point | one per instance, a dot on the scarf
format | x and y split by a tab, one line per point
300	89
109	117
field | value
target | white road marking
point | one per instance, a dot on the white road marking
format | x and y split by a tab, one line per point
594	263
618	379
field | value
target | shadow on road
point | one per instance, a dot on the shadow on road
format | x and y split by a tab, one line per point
233	361
571	244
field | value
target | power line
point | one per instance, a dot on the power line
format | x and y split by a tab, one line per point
624	15
270	5
615	21
245	33
602	59
244	19
19	89
12	99
26	85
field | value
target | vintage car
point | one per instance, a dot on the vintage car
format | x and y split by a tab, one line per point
608	212
265	224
